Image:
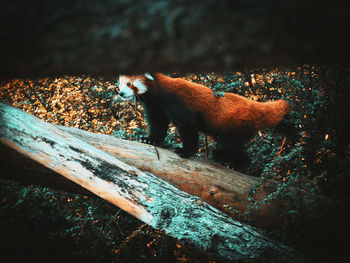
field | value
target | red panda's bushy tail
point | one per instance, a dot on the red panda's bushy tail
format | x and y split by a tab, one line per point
274	112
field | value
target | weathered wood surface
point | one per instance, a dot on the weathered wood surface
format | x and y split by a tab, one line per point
106	37
141	194
26	171
221	187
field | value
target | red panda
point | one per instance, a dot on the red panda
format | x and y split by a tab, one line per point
232	119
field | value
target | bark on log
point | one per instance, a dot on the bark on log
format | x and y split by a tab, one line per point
109	37
221	187
141	194
24	170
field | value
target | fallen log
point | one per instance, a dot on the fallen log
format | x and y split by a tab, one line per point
219	186
141	194
25	171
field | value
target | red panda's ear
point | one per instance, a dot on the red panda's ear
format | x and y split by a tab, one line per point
147	75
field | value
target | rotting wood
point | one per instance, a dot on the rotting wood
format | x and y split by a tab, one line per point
141	194
26	171
221	187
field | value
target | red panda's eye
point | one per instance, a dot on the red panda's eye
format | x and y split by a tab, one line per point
128	84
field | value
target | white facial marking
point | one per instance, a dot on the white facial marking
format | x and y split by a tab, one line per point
127	87
124	90
149	76
140	86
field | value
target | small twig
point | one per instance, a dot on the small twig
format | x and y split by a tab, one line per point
114	217
135	104
281	148
206	146
157	152
128	239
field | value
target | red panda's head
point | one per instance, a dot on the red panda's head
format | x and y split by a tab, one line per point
130	86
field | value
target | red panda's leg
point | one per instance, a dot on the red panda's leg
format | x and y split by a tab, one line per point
231	150
157	125
189	139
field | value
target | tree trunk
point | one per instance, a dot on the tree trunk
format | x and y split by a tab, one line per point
223	188
104	38
141	194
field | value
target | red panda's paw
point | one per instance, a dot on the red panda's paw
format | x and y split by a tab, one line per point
183	153
148	140
232	158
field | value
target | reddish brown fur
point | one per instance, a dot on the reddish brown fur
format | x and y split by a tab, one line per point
231	119
228	111
135	89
